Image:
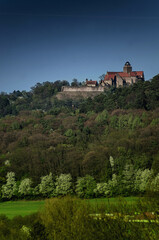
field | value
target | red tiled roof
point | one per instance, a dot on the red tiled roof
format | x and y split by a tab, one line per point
91	82
111	75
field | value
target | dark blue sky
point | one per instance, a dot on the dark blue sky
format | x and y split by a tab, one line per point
61	40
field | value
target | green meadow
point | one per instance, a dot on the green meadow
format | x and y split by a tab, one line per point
23	208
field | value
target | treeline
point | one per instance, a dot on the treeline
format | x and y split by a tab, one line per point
130	182
41	96
142	95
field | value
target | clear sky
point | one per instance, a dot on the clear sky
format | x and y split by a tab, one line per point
53	40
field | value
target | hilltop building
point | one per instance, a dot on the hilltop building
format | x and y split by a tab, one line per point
90	83
92	88
120	79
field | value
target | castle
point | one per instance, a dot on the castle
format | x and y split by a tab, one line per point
125	78
111	79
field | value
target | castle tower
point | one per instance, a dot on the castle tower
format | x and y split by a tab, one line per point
127	68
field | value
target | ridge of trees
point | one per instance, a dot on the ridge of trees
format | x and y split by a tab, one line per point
130	182
142	95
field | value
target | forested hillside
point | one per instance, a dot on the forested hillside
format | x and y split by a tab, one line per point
104	146
142	95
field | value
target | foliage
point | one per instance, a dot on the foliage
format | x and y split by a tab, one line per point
107	189
50	145
10	188
141	95
5	107
25	187
142	179
102	190
113	137
127	180
47	186
63	184
85	187
102	117
155	184
70	218
113	185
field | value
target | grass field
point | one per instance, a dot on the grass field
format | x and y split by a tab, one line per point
23	208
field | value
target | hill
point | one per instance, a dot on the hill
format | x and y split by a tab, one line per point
111	139
142	95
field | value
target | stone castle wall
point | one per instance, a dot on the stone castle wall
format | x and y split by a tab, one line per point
79	92
82	89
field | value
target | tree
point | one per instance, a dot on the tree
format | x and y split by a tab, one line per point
25	187
114	121
75	83
67	218
142	178
5	107
155	165
47	186
111	159
113	185
155	184
136	122
128	179
71	136
96	163
85	187
106	189
63	184
102	117
10	188
102	190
